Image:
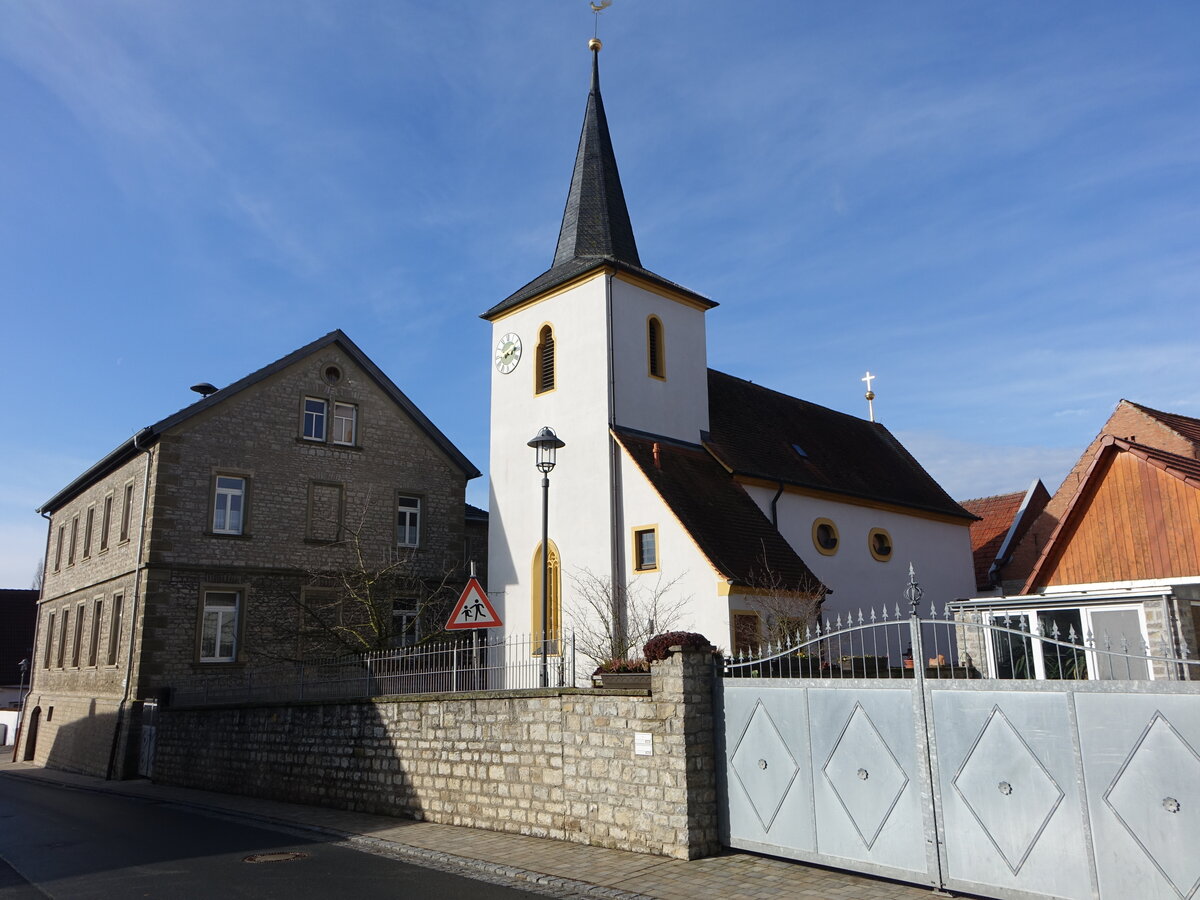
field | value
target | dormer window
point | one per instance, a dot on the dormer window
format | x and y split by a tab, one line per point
656	355
544	359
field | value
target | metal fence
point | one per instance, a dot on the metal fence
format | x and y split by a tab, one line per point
953	643
478	662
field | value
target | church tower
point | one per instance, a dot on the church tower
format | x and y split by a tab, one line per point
594	343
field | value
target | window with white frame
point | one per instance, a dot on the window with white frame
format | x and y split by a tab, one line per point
345	423
315	411
406	623
408	521
1097	643
229	504
219	626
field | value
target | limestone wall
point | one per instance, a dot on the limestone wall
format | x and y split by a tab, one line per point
551	763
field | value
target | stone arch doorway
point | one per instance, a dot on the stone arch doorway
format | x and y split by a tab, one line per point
31	736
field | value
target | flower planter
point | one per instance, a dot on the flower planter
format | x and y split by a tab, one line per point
632	681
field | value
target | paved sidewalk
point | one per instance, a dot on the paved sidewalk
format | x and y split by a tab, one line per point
556	867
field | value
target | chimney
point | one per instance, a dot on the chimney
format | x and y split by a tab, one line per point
657	457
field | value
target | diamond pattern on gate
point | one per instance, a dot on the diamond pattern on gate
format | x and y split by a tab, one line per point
763	765
1156	796
865	775
1007	789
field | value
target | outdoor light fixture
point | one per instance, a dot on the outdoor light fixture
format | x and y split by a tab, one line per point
546	443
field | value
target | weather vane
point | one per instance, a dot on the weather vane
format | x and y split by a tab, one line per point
598	8
870	395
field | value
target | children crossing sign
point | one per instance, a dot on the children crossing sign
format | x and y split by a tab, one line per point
473	609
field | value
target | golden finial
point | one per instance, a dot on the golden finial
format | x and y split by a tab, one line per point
594	44
870	395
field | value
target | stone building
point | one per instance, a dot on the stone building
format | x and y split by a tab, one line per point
216	541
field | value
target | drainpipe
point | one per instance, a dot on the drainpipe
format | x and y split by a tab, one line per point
133	616
775	506
616	581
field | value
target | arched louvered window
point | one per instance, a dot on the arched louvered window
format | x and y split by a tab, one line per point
544	370
656	348
553	603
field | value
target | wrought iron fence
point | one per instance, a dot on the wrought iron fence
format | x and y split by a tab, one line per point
958	643
472	663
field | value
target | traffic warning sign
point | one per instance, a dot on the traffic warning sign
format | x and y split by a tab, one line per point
473	609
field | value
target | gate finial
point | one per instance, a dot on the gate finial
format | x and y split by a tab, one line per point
913	592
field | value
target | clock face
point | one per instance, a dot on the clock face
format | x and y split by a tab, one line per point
508	353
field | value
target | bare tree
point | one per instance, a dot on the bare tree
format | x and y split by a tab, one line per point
604	630
362	593
786	609
38	574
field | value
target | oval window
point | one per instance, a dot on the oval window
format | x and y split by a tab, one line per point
880	543
332	374
825	536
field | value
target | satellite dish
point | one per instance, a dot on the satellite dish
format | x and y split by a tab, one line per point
204	389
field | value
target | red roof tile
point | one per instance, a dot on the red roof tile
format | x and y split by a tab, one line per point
1184	426
987	535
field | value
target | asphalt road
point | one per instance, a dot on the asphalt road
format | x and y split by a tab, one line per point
68	844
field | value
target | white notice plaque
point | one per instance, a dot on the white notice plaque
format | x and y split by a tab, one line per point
643	743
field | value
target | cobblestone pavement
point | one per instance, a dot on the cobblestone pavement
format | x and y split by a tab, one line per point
556	868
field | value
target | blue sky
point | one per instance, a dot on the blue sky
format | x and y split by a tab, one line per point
994	207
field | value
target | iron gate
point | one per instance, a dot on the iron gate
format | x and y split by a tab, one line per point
935	775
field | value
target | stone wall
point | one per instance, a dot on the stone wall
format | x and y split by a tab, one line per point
551	763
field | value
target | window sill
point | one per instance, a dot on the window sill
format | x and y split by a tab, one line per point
228	534
330	445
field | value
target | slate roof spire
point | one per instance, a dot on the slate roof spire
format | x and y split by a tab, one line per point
596	220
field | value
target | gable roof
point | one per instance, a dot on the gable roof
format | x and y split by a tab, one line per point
1003	521
596	231
728	527
151	433
1180	467
759	433
1184	426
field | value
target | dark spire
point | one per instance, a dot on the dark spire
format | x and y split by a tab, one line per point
596	220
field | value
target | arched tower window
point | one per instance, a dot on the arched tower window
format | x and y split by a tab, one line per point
656	350
544	368
553	603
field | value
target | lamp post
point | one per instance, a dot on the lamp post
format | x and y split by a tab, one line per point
546	443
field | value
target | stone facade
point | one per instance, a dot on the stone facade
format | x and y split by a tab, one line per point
549	763
308	506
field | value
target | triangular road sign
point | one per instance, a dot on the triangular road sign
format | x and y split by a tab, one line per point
473	609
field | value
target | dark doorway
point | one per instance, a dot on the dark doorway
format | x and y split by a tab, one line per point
31	737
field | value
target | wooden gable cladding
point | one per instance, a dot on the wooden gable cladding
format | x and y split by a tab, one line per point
1137	517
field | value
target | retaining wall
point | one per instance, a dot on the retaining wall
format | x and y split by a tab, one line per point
562	764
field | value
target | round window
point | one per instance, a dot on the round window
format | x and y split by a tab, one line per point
332	374
880	543
825	536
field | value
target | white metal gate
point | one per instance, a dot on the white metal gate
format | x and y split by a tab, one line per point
1007	788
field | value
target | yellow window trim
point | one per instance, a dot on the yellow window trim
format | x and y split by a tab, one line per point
634	532
661	375
537	360
837	538
871	544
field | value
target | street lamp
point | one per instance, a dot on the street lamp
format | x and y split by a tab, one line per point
546	443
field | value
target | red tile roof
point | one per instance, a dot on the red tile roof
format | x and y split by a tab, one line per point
760	433
996	516
727	526
1184	426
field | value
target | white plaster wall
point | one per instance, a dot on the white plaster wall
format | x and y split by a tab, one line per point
678	557
577	411
678	406
940	552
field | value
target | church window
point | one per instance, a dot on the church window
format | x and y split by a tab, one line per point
746	632
553	603
645	549
825	536
656	351
544	358
880	544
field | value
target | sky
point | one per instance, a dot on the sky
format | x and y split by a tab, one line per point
994	207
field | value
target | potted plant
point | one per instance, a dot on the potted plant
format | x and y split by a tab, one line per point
633	674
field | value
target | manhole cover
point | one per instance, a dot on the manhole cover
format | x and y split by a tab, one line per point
274	857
